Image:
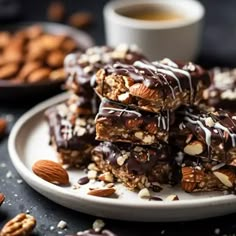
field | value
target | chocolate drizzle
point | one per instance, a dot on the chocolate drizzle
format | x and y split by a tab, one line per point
221	130
119	113
222	92
67	131
166	74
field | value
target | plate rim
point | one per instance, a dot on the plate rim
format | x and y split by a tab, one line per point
35	180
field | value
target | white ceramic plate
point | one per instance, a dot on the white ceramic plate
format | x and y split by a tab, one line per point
28	142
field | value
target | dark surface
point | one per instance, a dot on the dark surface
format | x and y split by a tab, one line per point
218	48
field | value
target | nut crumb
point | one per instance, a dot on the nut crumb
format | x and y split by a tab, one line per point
9	175
92	174
163	232
217	231
76	186
144	193
106	177
98	225
19	181
3	165
209	122
121	160
62	224
172	197
92	166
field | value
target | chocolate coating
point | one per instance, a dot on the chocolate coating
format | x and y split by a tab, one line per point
216	131
141	159
69	131
222	92
121	113
119	123
166	76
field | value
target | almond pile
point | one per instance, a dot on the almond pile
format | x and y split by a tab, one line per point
31	55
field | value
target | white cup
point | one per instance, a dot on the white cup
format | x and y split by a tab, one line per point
176	39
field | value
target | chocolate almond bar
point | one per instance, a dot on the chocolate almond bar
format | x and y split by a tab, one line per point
204	176
135	166
118	123
81	105
222	92
72	137
155	86
81	67
209	135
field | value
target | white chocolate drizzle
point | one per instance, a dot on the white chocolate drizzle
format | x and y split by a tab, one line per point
177	70
232	135
164	71
162	120
217	126
206	130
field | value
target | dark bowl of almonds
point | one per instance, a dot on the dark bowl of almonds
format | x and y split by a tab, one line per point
32	57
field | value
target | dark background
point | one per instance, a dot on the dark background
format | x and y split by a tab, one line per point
218	49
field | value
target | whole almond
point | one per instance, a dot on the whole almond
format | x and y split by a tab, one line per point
2	198
34	31
56	11
226	177
80	19
58	74
140	90
8	71
39	75
13	56
28	69
189	174
22	224
69	45
51	42
102	192
35	53
151	128
51	172
194	148
4	39
133	123
3	126
14	51
55	58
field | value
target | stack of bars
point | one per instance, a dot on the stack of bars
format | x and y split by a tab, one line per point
141	105
152	126
72	128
